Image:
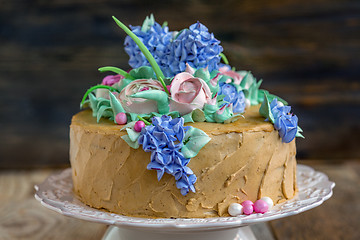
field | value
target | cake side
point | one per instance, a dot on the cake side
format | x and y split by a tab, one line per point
244	160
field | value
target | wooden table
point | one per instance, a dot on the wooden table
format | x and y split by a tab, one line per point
22	217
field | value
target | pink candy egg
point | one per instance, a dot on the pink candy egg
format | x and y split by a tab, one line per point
247	202
248	209
138	126
260	206
121	118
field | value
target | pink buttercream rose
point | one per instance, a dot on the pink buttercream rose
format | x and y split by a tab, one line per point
139	105
111	79
234	75
188	93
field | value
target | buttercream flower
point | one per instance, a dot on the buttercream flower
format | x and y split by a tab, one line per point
111	79
139	105
285	122
195	46
154	36
188	93
232	96
226	70
164	139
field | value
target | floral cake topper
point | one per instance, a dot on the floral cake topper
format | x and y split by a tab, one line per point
177	77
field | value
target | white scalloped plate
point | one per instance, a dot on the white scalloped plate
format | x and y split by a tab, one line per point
56	194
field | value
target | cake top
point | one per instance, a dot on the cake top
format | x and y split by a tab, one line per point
178	77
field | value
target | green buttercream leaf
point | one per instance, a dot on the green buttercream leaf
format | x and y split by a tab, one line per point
174	114
188	118
265	109
203	74
194	140
132	144
148	23
104	111
86	104
115	105
198	115
299	131
247	80
144	72
209	111
160	97
234	118
93	104
270	97
103	102
133	135
128	125
227	113
132	116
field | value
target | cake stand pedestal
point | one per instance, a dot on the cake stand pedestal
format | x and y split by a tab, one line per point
116	233
56	194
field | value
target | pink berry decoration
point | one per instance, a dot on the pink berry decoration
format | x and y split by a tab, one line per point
260	206
248	209
121	118
138	126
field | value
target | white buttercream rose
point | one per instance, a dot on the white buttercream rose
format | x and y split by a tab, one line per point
188	93
139	105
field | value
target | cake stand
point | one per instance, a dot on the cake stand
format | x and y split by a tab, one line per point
56	194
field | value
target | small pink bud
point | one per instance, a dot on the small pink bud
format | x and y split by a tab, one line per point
248	209
247	202
260	206
138	126
121	118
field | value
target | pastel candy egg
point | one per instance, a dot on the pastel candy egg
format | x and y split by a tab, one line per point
248	209
121	118
269	202
235	209
260	206
247	103
247	202
138	126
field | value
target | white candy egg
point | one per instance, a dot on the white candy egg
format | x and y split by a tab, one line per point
247	103
269	201
280	104
235	209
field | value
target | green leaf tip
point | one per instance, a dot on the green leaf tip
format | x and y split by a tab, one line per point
142	119
224	58
94	88
117	71
145	51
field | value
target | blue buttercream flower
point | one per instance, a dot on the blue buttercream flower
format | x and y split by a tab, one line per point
164	139
285	122
186	183
194	46
232	96
154	37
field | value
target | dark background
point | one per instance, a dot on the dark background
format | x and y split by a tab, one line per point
306	51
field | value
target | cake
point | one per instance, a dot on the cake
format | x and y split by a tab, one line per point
181	135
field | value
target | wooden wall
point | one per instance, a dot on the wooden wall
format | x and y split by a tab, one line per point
306	51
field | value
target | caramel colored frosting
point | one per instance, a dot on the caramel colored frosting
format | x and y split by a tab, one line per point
244	160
